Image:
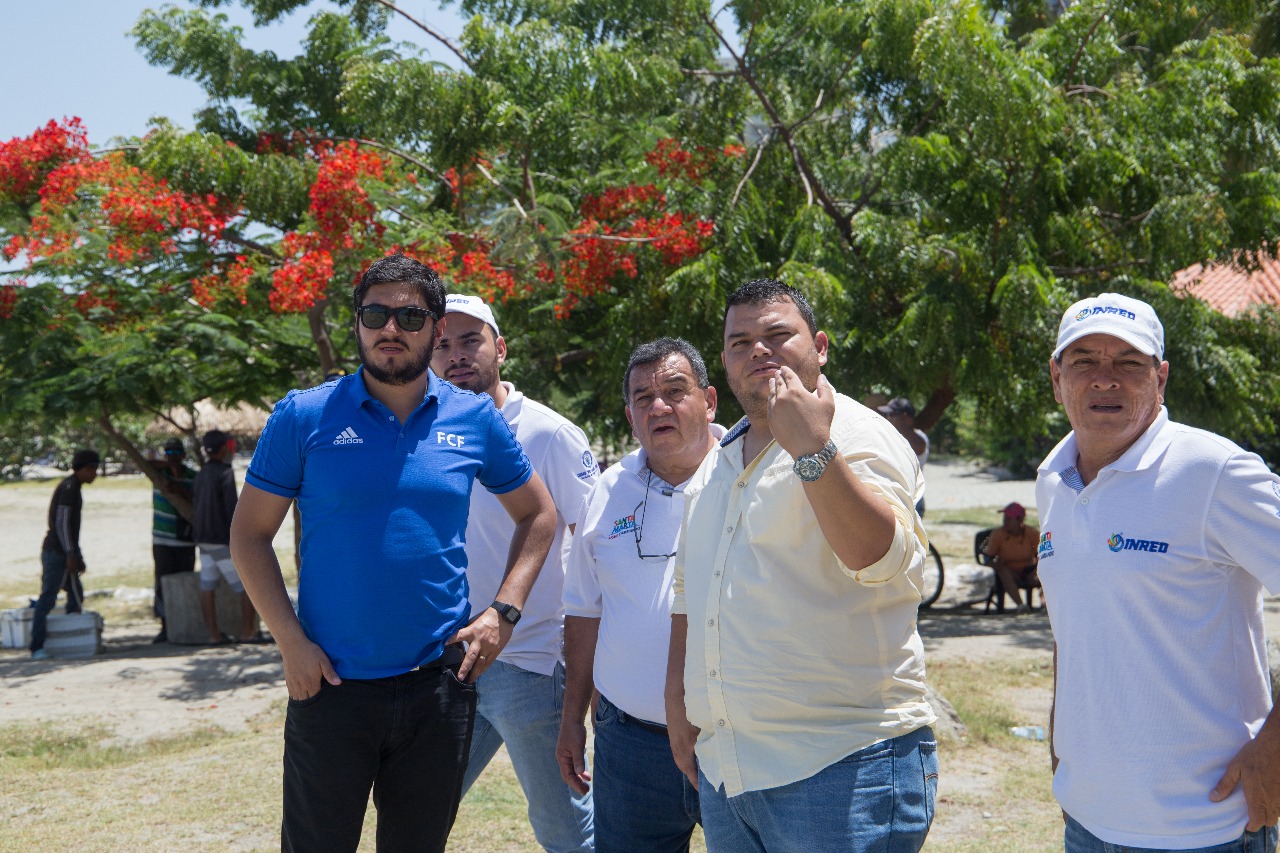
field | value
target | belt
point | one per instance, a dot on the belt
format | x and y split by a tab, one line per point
451	656
628	719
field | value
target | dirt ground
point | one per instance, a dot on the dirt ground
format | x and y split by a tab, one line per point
137	691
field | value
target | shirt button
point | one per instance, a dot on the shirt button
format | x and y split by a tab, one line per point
717	573
391	417
713	673
729	529
1084	500
720	723
711	623
742	485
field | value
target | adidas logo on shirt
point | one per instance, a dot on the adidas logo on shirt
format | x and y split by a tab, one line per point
348	436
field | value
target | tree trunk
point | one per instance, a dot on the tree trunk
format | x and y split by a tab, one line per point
320	335
180	502
933	410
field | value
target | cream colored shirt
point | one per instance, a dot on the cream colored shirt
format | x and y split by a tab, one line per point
793	660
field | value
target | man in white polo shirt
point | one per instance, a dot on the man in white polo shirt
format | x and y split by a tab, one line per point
617	607
1156	542
519	694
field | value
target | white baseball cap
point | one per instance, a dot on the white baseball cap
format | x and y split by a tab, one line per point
1131	320
472	306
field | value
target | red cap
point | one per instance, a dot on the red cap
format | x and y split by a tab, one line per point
1016	510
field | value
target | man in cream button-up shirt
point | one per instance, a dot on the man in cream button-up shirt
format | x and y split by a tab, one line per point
801	596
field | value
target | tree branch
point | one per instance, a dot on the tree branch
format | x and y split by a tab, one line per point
237	240
746	177
181	502
514	199
1088	37
435	35
812	186
398	153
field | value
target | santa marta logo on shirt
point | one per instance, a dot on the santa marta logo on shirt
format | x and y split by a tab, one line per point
1045	549
1106	309
623	525
1119	543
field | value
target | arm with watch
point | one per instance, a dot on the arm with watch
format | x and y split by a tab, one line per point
857	523
487	634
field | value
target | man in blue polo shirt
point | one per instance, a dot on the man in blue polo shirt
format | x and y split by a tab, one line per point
381	691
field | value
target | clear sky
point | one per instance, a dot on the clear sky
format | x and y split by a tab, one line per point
76	58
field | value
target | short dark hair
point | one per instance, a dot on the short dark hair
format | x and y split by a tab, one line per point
397	268
648	353
771	290
85	458
214	440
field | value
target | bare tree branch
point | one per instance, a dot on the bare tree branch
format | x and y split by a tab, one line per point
398	153
514	198
435	35
746	177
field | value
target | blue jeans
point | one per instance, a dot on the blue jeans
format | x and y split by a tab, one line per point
877	800
405	736
644	804
522	709
53	577
1077	839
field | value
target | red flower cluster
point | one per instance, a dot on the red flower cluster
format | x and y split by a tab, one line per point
96	296
301	281
343	212
490	282
674	161
233	279
9	296
142	217
678	237
25	161
618	203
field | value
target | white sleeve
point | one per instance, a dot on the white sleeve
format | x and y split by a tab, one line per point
569	469
1242	525
581	584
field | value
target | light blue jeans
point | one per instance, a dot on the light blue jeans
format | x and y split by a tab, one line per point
522	709
877	800
1077	839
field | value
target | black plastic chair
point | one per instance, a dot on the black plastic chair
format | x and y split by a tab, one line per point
997	592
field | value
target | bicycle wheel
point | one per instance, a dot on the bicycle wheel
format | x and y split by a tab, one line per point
933	577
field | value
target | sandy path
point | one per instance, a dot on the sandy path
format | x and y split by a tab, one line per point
136	690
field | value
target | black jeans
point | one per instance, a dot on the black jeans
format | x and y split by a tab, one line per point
406	737
53	577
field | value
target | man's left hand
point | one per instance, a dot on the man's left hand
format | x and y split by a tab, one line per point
800	419
485	636
1256	768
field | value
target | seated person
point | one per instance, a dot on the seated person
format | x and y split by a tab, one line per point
1013	547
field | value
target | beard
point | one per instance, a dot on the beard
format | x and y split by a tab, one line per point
402	375
484	377
754	399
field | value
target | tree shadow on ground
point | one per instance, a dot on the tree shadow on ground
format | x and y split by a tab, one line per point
1031	632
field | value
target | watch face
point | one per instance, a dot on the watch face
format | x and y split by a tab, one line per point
808	468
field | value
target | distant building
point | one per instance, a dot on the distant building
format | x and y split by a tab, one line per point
1229	289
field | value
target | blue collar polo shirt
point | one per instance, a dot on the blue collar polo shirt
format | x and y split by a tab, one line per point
384	514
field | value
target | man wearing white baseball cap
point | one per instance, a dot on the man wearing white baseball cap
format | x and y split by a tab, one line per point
520	693
1156	542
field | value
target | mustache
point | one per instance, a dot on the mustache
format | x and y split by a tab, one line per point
397	341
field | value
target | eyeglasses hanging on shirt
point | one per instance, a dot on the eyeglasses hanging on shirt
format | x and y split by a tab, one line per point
637	529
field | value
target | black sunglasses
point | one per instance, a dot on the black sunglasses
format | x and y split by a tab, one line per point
410	318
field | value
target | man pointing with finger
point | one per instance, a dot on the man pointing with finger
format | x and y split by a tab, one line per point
382	463
794	652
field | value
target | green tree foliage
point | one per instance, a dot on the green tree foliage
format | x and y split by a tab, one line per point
942	178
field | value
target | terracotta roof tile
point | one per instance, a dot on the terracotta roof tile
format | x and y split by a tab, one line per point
1228	289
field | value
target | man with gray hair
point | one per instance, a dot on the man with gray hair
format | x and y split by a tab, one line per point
617	603
1156	541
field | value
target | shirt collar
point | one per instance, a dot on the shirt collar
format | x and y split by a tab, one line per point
1142	454
736	431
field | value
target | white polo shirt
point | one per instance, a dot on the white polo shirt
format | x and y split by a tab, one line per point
631	596
1153	575
559	452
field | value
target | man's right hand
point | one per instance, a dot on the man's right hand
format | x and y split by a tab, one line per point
684	737
75	564
305	665
571	755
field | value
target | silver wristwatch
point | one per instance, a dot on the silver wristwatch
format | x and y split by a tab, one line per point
810	466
